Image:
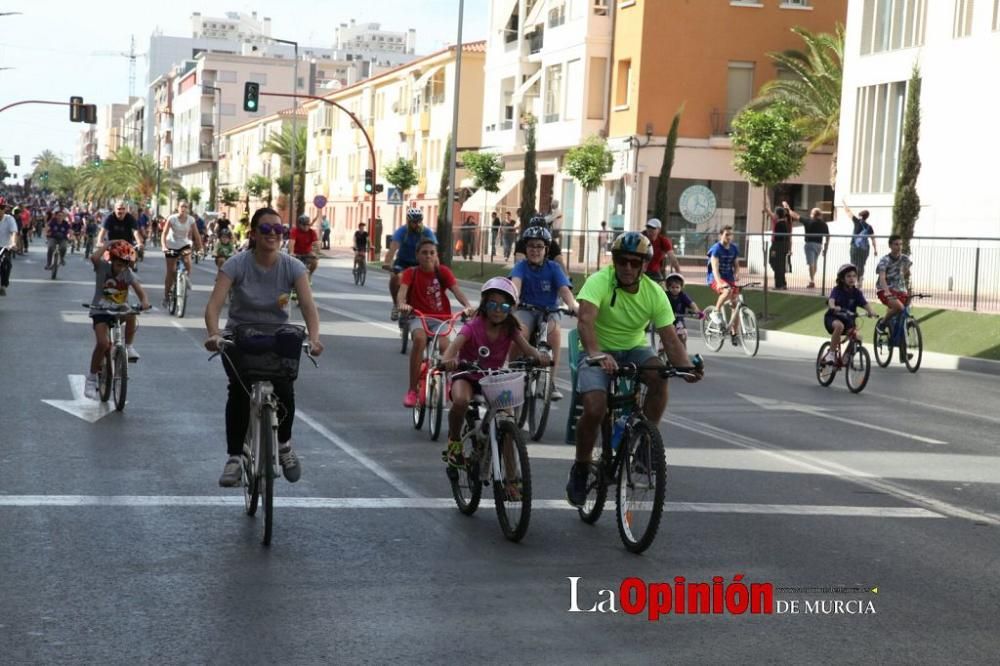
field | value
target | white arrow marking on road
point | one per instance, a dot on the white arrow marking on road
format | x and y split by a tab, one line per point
81	406
781	405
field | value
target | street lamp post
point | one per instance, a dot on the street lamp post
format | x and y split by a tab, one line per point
449	218
295	117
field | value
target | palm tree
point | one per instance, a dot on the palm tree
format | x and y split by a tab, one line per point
126	174
281	145
45	161
813	93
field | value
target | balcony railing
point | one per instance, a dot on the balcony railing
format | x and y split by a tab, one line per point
205	152
722	123
536	40
507	124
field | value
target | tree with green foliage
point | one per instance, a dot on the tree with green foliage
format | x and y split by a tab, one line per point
4	174
906	207
661	210
487	170
402	174
530	183
812	92
259	187
194	196
444	205
280	144
229	197
587	164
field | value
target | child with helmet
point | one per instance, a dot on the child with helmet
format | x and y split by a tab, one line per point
486	339
225	247
843	303
680	303
112	279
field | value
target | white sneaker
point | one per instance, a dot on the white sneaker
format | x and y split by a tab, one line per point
133	355
830	357
90	389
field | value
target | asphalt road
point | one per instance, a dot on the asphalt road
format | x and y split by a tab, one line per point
118	547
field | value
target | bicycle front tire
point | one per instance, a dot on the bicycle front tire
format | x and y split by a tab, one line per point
404	334
119	383
825	371
106	376
512	493
364	274
711	330
882	344
858	367
267	444
182	296
538	410
597	488
749	332
642	487
913	349
435	404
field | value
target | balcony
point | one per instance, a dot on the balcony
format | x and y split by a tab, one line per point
205	152
207	120
536	40
722	123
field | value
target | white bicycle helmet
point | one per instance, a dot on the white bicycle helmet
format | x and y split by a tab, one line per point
500	284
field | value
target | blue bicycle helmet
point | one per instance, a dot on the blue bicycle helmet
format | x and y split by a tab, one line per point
414	215
537	233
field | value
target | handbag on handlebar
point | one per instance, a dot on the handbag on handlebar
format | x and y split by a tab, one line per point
268	351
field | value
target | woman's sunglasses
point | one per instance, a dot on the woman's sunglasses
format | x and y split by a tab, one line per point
271	229
502	307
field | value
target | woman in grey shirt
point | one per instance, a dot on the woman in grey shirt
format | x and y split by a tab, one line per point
261	280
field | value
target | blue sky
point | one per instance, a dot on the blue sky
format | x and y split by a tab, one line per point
50	46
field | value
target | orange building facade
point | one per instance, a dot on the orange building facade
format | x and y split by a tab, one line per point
711	57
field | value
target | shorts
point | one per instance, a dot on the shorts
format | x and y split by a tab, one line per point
813	250
174	254
401	266
471	377
433	323
593	378
531	319
656	276
846	319
102	319
903	297
734	289
306	258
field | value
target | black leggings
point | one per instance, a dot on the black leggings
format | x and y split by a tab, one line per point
6	266
238	408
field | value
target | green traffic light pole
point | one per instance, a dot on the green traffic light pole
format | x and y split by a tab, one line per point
360	126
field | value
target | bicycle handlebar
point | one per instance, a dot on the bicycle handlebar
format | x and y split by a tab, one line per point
226	342
546	311
665	371
122	310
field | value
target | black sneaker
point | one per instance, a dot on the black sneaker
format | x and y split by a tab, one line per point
576	486
290	466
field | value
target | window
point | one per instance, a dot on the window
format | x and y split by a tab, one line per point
962	25
600	7
258	77
596	97
887	25
574	89
553	93
739	89
797	4
878	131
623	83
557	16
226	76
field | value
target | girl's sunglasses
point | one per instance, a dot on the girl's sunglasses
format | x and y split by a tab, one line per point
502	307
271	229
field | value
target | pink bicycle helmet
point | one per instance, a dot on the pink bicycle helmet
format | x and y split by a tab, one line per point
500	284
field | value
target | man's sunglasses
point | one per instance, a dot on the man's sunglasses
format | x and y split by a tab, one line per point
536	247
271	229
631	263
502	307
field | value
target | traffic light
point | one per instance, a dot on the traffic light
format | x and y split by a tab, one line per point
75	109
369	181
251	94
17	160
379	188
90	114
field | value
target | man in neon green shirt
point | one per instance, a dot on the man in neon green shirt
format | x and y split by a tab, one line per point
616	305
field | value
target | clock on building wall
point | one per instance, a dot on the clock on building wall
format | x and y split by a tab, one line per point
697	204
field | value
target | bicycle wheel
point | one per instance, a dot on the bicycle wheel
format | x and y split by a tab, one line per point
435	404
419	410
357	275
364	274
538	409
642	487
521	413
55	264
251	490
466	487
749	333
825	371
711	330
882	344
512	493
119	384
858	365
172	299
267	444
182	294
913	350
597	487
105	376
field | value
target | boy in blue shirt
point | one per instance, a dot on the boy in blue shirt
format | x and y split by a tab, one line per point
540	283
844	301
723	264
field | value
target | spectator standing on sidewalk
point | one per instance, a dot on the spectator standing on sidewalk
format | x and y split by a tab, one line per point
817	241
862	241
509	235
781	241
494	232
324	228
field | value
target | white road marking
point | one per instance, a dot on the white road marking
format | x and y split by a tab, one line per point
81	406
440	503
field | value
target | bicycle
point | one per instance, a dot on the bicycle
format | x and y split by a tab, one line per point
714	332
88	248
631	457
905	335
495	452
260	446
178	296
852	357
58	257
360	271
432	385
538	381
112	378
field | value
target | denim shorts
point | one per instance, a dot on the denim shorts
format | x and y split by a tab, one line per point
593	378
433	324
530	319
813	251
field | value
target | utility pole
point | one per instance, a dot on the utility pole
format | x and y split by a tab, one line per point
449	219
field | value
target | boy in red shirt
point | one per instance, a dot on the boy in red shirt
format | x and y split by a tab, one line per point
424	288
305	242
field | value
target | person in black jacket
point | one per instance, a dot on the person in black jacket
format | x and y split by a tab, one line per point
781	241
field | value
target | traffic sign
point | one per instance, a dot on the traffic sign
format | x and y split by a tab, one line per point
319	201
395	196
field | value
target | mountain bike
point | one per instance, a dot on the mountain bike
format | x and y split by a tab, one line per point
178	296
714	331
494	451
112	378
432	385
58	257
360	271
852	357
905	335
630	457
539	381
260	445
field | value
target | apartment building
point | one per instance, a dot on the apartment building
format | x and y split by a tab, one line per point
957	46
131	126
407	112
711	57
109	137
241	158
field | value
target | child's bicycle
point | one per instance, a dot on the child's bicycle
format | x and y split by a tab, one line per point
630	457
432	387
715	332
905	335
539	381
494	451
112	378
852	357
360	271
178	296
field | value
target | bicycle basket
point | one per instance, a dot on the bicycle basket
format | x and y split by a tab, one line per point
503	390
268	351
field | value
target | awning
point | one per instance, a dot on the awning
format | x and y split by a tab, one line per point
425	77
523	88
478	201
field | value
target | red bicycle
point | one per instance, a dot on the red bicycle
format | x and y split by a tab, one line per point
432	386
852	357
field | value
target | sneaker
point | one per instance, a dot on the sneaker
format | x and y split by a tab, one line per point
133	355
453	455
410	400
232	473
576	486
289	462
736	340
556	394
90	389
394	315
811	285
830	357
